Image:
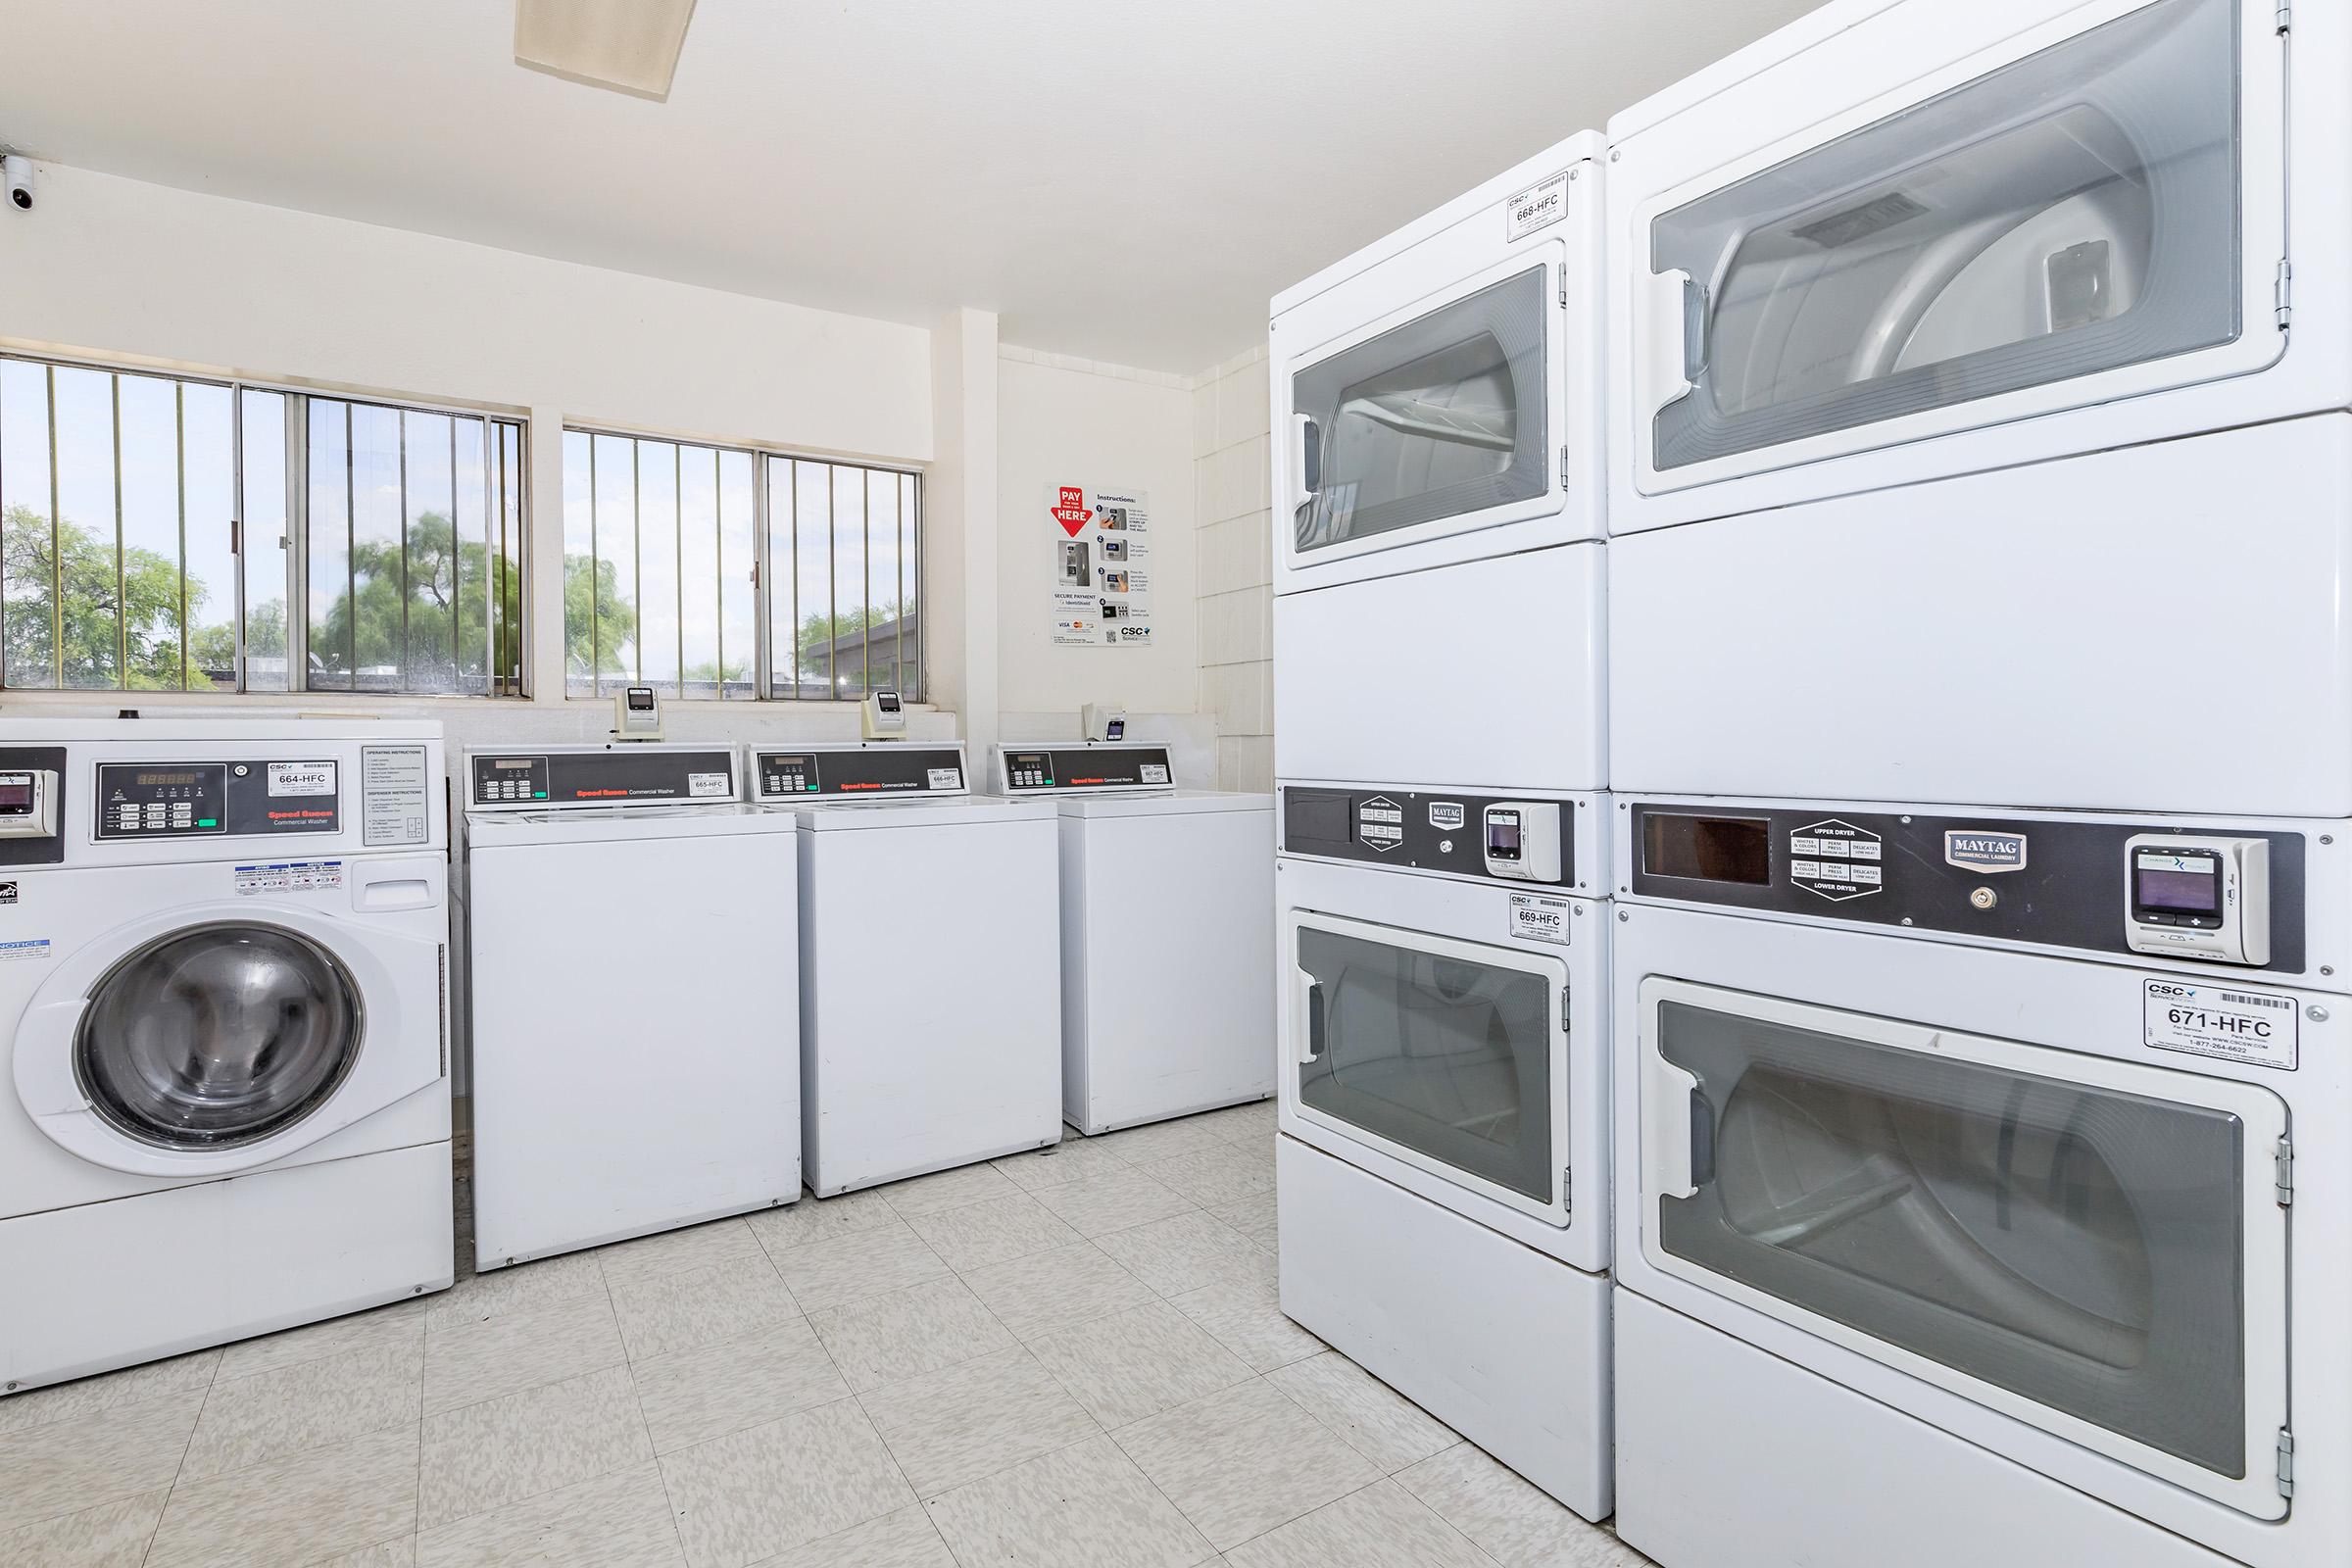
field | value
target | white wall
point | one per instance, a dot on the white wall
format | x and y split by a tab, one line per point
1232	469
1063	421
121	271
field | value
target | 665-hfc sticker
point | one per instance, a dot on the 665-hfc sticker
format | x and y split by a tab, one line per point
2255	1027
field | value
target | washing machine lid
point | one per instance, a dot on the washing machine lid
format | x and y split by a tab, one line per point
914	810
606	823
1166	802
218	1038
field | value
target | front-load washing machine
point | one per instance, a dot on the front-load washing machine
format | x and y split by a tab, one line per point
1441	1174
930	953
1435	406
1167	933
2010	1220
226	1032
1906	240
634	1034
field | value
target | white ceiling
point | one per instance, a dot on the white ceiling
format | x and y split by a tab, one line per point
1123	179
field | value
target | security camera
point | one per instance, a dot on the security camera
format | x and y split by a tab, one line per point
19	173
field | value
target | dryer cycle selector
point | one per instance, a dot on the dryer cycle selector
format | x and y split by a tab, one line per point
2198	897
1523	840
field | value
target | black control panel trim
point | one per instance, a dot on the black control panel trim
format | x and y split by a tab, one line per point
1419	830
1061	769
255	797
2059	884
784	775
616	778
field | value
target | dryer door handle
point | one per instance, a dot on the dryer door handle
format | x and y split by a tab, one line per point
1306	461
1676	1116
1310	1019
1669	321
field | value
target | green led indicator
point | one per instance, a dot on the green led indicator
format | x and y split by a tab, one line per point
539	795
208	821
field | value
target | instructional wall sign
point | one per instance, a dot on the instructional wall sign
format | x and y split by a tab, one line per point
1101	567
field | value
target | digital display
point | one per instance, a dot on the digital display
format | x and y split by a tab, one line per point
2188	884
1707	848
164	780
513	762
15	794
1502	835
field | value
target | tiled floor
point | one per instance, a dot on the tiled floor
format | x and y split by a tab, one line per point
1071	1358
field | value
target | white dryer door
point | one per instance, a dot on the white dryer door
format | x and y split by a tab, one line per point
220	1038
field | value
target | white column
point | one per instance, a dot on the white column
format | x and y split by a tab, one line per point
960	523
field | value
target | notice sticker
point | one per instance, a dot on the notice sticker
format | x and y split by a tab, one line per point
943	778
706	786
288	876
1153	773
18	952
2255	1027
1535	918
302	778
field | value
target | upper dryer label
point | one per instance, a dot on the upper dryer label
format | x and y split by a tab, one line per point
1536	207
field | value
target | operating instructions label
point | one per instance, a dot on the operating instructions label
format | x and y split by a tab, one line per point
394	807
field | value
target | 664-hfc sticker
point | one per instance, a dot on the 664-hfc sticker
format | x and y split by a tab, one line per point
2255	1027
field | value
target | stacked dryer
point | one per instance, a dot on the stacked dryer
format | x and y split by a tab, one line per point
1440	940
1982	740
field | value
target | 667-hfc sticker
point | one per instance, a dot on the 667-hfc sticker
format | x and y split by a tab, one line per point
2255	1027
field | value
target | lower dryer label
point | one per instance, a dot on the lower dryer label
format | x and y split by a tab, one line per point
1535	918
2255	1027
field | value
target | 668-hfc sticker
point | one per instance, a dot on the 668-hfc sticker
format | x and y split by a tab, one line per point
2255	1027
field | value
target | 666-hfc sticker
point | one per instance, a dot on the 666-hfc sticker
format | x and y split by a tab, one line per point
2255	1027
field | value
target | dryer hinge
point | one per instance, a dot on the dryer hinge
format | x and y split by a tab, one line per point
1564	285
1567	1007
2286	1463
1567	1188
2283	290
2286	15
2283	1171
1563	467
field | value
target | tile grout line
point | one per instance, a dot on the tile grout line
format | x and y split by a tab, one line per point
173	1490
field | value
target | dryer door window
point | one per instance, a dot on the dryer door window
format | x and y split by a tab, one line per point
2073	213
1440	417
1448	1054
218	1035
2066	1234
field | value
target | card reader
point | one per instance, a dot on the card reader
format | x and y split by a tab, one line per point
1523	840
2198	897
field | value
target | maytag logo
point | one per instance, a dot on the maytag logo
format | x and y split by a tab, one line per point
1975	850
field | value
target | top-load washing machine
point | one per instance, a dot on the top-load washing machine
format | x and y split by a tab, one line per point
929	939
1908	361
1903	239
634	1029
1984	1184
225	944
1436	404
1167	933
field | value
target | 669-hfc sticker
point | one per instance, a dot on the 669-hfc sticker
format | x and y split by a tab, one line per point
2255	1027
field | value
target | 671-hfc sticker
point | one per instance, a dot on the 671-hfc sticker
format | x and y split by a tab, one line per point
2255	1027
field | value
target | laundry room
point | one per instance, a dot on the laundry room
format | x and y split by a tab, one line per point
895	784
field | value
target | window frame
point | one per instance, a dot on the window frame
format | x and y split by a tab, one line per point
770	591
507	518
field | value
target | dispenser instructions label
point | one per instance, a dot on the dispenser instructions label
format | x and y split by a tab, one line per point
2255	1027
393	801
1535	918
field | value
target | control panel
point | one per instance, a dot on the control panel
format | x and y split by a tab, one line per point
1466	835
1085	770
625	774
2198	897
1523	840
856	772
2097	885
193	799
